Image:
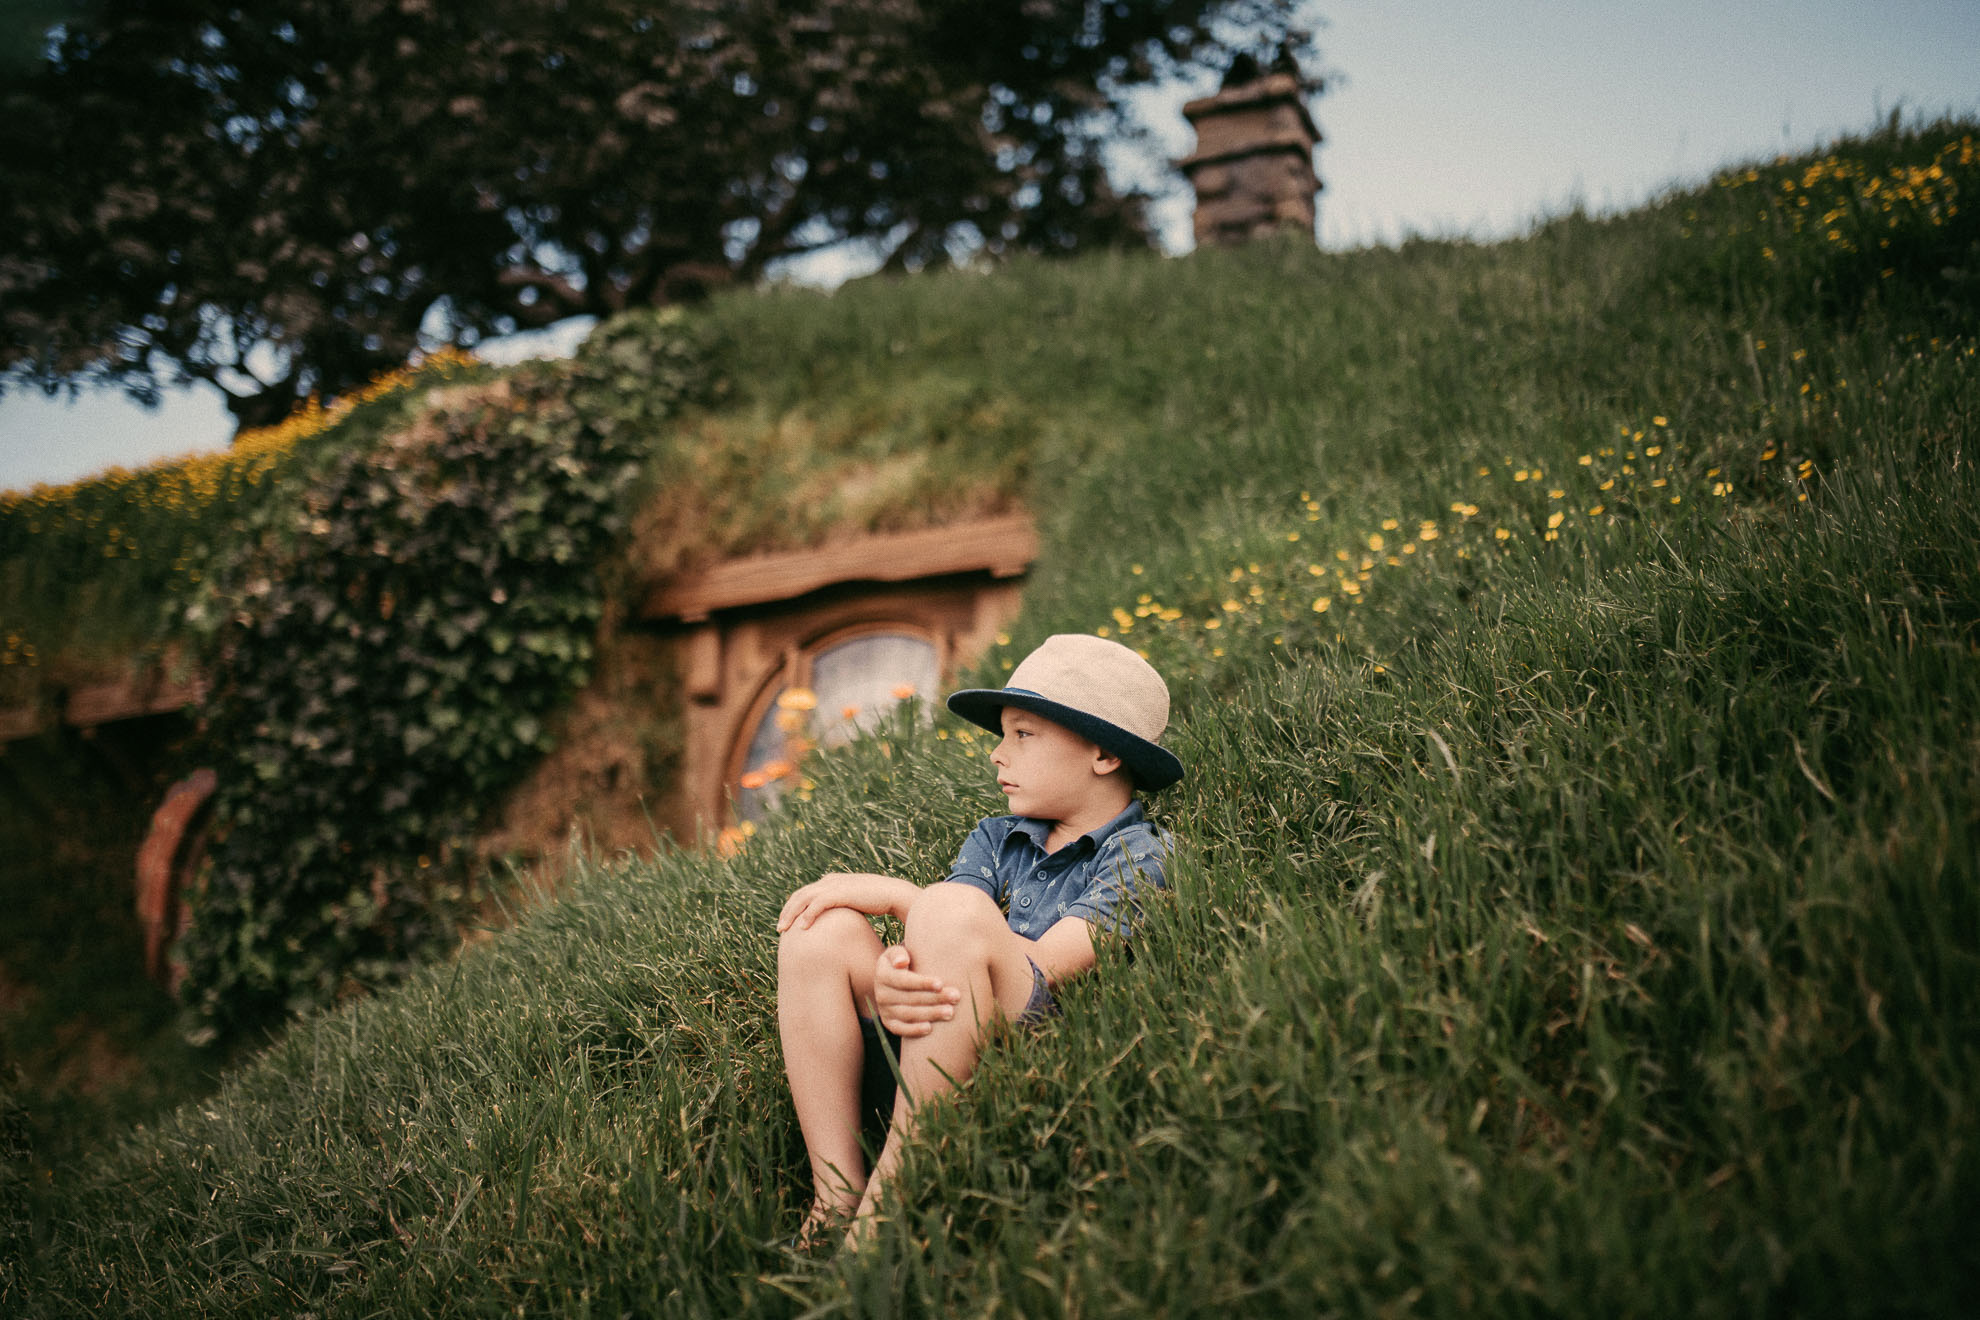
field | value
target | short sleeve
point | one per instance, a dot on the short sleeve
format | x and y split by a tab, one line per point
976	863
1128	867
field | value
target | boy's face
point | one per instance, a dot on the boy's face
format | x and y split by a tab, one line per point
1046	770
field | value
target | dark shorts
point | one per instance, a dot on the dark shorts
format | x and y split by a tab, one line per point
882	1050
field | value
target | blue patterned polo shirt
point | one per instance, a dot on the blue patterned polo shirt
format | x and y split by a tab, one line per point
1098	877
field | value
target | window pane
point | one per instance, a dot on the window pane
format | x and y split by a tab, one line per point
859	681
855	684
765	748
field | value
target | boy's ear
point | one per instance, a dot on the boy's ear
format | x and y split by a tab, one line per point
1104	761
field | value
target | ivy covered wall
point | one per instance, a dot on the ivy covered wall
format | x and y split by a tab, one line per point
386	654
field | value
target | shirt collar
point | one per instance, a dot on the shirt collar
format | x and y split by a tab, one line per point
1039	830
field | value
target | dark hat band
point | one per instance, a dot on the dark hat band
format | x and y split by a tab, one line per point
1151	765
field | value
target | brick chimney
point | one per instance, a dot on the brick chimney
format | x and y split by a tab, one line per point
1253	164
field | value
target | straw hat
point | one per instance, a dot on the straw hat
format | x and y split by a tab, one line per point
1099	689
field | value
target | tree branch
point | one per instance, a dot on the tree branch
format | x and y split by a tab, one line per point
559	297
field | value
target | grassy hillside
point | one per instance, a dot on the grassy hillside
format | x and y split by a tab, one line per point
1576	651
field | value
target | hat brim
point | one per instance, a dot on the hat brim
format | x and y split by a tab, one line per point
1152	766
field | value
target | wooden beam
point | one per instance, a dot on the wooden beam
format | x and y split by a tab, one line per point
21	722
155	690
142	694
702	669
1002	547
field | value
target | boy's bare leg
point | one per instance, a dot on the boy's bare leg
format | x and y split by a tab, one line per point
824	979
958	934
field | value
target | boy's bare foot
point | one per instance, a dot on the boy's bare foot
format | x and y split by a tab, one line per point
860	1233
821	1224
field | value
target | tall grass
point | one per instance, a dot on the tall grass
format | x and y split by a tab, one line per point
1576	920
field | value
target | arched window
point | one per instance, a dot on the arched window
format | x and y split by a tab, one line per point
823	695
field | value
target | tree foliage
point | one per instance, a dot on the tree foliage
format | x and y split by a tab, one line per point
287	198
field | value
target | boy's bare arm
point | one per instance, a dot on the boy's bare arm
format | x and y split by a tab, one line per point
874	895
1065	950
910	1003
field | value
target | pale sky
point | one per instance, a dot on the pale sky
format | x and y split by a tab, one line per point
1451	119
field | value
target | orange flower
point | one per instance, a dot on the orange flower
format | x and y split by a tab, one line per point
798	699
778	769
755	779
848	712
902	691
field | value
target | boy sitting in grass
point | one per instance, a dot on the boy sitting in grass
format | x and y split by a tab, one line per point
1015	918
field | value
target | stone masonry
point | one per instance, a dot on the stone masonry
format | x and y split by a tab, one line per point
1253	164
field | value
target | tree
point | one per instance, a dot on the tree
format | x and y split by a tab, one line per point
287	198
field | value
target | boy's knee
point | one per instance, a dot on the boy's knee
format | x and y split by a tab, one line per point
834	936
952	915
